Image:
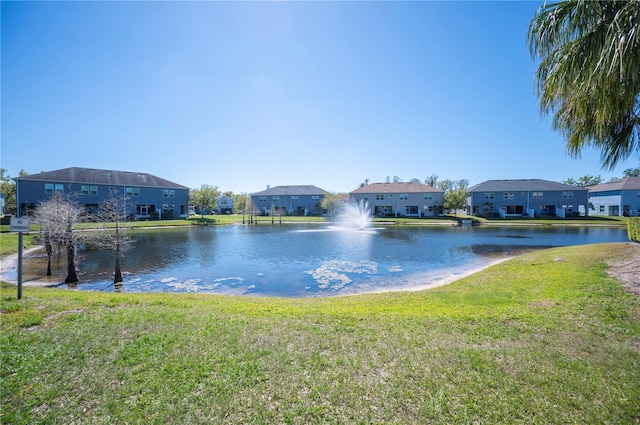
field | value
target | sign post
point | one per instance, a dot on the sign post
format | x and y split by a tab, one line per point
19	225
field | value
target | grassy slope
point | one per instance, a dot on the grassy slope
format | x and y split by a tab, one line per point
543	338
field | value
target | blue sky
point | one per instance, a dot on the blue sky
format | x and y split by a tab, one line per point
242	95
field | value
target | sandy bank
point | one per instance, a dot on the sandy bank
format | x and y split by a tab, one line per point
9	264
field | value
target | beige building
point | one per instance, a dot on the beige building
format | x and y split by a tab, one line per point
409	199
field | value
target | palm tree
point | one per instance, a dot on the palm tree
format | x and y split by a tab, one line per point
589	74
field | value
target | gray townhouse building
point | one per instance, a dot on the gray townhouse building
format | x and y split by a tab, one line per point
620	197
401	199
526	197
292	200
152	197
224	204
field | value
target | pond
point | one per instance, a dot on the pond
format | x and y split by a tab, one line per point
310	260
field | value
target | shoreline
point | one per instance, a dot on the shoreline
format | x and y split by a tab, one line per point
10	264
627	271
438	282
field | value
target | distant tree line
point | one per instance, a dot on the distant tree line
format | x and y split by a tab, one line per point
589	180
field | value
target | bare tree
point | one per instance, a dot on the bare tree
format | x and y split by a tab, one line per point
47	216
114	232
431	180
57	218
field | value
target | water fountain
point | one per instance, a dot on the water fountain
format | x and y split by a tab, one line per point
358	214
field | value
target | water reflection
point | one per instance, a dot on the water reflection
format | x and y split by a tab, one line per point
314	260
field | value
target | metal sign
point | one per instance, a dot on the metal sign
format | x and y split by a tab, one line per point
20	225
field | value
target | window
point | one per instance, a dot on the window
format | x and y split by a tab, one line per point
263	199
88	190
601	209
507	195
428	197
168	193
379	197
315	197
132	191
404	196
536	195
567	195
411	210
276	199
49	188
295	198
488	195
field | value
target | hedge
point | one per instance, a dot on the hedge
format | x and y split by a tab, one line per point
633	228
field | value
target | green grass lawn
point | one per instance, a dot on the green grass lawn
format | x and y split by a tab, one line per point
9	242
543	338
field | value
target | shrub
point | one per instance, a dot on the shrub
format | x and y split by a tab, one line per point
633	228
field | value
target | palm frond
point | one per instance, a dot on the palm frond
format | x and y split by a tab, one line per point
589	74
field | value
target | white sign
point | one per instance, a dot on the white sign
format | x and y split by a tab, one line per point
20	225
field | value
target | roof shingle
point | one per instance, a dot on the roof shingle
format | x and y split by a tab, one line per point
627	183
522	185
398	187
102	177
292	190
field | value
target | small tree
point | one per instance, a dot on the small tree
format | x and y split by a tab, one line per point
456	197
8	189
332	202
204	198
114	232
58	217
242	202
47	216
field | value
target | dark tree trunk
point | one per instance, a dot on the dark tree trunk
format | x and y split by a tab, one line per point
49	249
72	277
117	276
